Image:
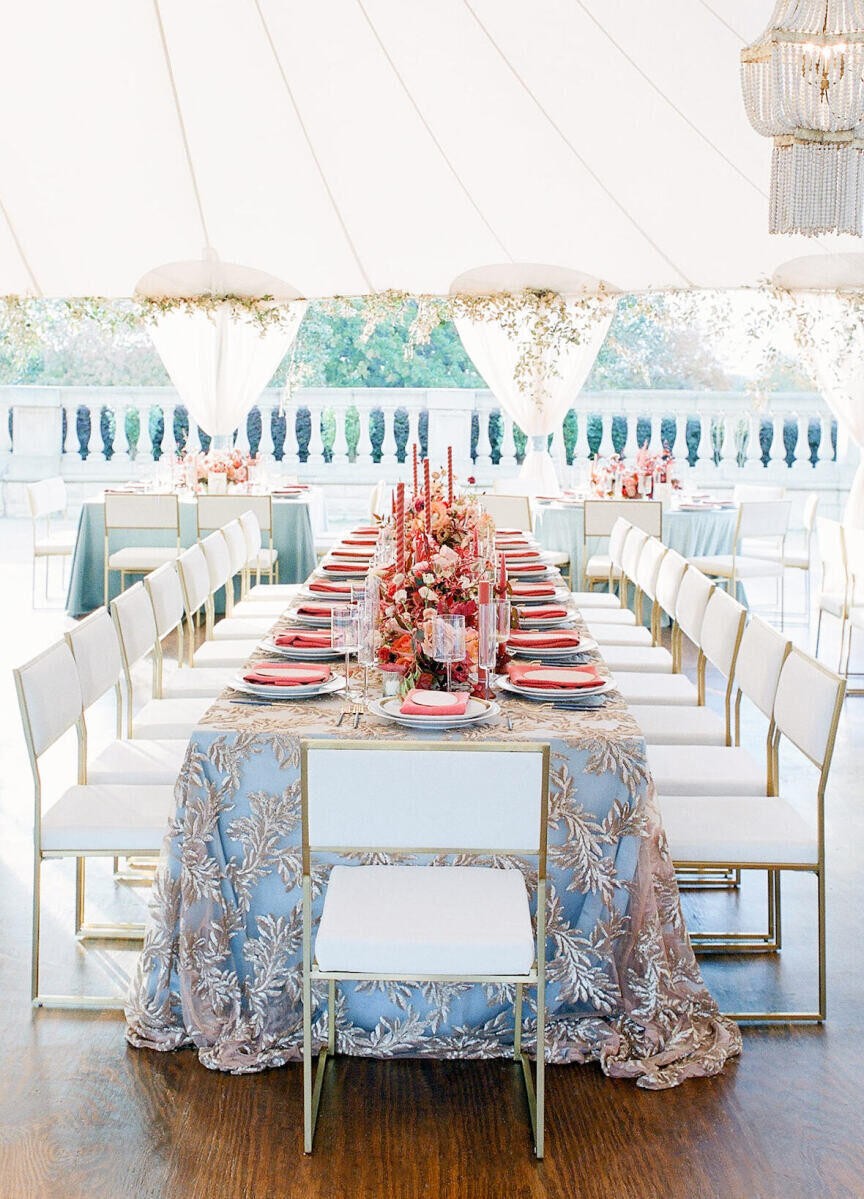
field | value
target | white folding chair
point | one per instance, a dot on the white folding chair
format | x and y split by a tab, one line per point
757	550
833	594
476	920
85	820
229	628
652	687
133	618
514	512
618	633
680	724
599	520
133	513
853	538
45	499
257	518
195	584
166	596
279	594
640	655
767	832
614	607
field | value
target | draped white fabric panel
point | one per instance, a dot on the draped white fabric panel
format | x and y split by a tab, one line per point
838	371
540	411
353	145
220	365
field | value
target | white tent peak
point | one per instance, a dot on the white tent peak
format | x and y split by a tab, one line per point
821	272
519	276
210	276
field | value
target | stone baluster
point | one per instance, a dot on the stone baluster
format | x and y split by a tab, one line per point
413	435
265	446
388	446
655	445
340	443
754	449
607	447
290	450
315	456
631	445
802	446
508	446
730	421
778	448
121	441
484	446
680	450
364	441
242	442
705	449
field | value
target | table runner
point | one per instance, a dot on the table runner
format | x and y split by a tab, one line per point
221	963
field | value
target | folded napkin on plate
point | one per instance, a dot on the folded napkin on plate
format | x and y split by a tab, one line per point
512	566
501	532
567	678
359	541
524	590
330	588
435	703
512	543
538	612
544	639
303	639
365	531
286	676
518	555
354	555
347	567
314	610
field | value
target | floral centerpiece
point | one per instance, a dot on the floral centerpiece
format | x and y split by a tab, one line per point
233	464
614	477
443	565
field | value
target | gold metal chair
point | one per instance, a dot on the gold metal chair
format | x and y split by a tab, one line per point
130	513
47	498
448	807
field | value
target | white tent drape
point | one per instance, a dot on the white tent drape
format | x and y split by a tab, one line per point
540	411
220	362
834	354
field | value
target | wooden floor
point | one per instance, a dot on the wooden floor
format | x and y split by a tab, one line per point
81	1114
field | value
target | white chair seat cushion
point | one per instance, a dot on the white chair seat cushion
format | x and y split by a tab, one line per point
596	599
142	557
705	770
238	628
409	920
203	681
652	658
273	591
732	829
55	543
643	687
608	614
796	561
223	653
96	819
679	724
598	567
258	608
142	761
720	566
264	559
167	719
618	634
831	603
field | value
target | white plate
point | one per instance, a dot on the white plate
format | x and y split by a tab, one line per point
314	622
276	693
585	646
340	575
301	654
477	710
545	693
525	576
525	601
529	622
323	597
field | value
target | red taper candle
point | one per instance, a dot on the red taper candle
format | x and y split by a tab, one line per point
414	452
449	474
400	527
502	577
427	488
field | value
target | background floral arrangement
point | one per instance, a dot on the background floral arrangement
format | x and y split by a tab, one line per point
232	463
442	571
613	476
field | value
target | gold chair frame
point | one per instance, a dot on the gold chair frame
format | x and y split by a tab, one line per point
536	976
150	528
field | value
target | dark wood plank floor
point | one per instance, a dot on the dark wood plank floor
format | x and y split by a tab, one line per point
81	1114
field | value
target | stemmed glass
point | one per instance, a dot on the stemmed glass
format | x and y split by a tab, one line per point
343	635
448	642
493	622
366	628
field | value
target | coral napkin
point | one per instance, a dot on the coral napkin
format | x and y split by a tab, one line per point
518	555
358	567
301	639
524	590
565	638
511	565
537	612
287	676
359	541
435	703
314	610
330	588
563	677
365	531
353	555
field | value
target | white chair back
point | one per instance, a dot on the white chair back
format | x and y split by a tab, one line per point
763	518
236	542
452	801
252	532
195	577
215	511
135	623
760	660
853	540
46	497
831	543
621	530
693	596
650	561
215	550
722	629
96	651
807	705
600	516
124	510
509	511
632	552
811	507
745	492
669	578
166	595
49	696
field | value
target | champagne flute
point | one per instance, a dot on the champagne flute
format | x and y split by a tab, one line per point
343	635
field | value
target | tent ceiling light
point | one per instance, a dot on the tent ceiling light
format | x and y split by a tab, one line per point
803	84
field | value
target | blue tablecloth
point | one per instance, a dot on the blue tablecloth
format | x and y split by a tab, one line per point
221	965
292	538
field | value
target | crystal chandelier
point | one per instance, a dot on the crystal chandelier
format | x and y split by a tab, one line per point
803	85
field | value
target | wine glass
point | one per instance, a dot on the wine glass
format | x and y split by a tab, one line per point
493	626
448	642
343	635
366	628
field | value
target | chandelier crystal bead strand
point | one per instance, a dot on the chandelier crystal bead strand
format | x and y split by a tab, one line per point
803	85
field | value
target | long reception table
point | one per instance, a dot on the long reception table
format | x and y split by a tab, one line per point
220	969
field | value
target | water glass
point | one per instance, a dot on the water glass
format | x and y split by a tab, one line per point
447	634
343	635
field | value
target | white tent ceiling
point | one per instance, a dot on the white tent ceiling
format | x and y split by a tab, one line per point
348	146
